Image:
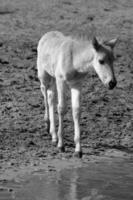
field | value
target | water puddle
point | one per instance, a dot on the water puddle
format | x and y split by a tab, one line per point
106	180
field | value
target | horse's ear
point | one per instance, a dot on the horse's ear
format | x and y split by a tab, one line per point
111	43
95	43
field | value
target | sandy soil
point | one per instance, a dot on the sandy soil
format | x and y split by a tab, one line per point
107	116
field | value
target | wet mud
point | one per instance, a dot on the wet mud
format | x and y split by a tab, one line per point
107	116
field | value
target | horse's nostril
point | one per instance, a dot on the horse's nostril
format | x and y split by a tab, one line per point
112	84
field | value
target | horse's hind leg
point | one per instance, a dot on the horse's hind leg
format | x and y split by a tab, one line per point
43	77
51	97
48	91
60	91
46	115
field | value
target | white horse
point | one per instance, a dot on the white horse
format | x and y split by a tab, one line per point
64	60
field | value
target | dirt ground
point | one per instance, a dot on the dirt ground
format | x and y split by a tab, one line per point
107	116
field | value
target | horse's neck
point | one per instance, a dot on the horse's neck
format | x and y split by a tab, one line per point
82	59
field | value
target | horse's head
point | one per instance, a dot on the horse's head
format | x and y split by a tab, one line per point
103	62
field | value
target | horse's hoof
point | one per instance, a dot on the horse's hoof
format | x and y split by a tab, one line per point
78	154
61	149
54	143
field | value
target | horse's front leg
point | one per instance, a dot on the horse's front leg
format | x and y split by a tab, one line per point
60	108
75	97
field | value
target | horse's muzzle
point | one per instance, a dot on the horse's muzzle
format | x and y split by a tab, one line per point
112	84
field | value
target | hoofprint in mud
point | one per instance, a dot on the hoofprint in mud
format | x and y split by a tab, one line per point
65	60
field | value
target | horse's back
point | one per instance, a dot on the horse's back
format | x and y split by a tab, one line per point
50	40
49	48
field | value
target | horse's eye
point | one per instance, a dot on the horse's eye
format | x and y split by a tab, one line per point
101	62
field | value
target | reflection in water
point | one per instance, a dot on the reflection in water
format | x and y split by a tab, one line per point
79	184
99	181
73	185
77	187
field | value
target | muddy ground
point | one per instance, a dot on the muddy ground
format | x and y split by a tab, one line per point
107	116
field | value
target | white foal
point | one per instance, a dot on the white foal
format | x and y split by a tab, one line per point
64	60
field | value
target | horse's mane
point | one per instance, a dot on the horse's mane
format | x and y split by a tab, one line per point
81	37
